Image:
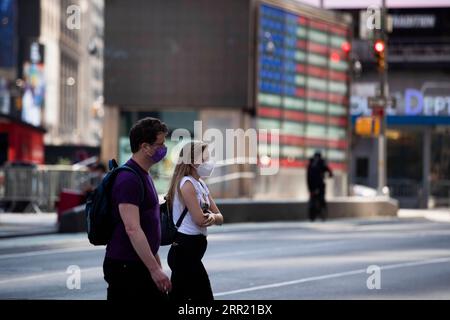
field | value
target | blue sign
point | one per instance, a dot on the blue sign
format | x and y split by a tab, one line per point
415	107
7	33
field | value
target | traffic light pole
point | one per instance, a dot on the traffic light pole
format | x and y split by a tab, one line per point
382	165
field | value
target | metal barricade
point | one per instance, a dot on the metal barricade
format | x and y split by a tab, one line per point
440	191
38	188
408	192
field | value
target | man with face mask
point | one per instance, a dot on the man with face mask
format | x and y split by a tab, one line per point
132	267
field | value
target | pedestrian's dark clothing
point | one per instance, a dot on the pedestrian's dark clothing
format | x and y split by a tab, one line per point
317	169
189	277
316	174
124	271
131	281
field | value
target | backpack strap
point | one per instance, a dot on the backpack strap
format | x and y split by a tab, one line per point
183	214
169	213
112	164
141	183
181	218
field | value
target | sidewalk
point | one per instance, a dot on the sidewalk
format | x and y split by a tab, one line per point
437	215
27	224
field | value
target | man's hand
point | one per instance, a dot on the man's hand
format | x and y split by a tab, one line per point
161	280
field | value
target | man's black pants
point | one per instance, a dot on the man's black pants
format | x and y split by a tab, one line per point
130	281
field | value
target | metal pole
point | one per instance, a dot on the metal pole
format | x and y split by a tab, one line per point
426	151
382	165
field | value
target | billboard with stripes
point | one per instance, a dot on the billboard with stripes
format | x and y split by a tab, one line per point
302	86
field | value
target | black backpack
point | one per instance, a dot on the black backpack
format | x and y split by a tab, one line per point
168	228
99	217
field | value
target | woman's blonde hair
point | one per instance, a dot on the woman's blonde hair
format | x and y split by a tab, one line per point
191	153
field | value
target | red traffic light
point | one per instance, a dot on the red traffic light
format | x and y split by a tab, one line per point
379	46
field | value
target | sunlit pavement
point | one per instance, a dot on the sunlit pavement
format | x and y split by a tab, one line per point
25	224
298	260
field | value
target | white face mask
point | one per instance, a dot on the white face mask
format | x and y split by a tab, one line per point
206	168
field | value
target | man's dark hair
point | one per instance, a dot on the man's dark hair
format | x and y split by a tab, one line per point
146	130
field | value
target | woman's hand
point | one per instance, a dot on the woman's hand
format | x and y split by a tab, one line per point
210	219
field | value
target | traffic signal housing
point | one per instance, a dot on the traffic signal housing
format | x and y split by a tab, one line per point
367	126
379	47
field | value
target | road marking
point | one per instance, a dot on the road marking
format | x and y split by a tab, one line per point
50	251
331	276
96	270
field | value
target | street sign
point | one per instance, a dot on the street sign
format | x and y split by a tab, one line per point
376	102
381	102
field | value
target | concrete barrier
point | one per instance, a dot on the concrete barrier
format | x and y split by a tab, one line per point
236	210
73	220
247	210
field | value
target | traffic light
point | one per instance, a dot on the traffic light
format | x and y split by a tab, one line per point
367	126
379	47
346	47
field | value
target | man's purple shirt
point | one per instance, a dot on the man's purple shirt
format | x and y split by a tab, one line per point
127	189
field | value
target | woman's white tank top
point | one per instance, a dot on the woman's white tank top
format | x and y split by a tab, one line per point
188	225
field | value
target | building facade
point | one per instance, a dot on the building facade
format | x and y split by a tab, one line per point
75	93
22	84
91	74
51	79
418	144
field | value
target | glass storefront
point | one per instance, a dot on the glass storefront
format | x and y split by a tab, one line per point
409	180
405	165
440	166
418	137
405	147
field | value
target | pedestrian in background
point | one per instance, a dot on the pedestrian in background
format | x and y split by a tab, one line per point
97	172
317	168
190	281
132	267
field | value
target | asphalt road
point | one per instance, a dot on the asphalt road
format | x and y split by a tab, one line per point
261	261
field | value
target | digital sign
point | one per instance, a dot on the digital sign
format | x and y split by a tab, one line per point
34	85
184	54
8	30
302	89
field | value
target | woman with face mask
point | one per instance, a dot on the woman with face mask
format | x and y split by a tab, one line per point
190	281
